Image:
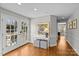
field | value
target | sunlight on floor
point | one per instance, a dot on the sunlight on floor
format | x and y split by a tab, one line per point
62	43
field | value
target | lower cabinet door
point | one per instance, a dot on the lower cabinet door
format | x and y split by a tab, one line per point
44	44
36	43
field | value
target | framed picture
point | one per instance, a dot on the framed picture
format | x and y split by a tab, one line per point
75	24
70	25
43	28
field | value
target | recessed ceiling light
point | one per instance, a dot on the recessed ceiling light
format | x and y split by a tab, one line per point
35	9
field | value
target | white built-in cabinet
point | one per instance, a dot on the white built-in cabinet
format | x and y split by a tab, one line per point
0	37
14	31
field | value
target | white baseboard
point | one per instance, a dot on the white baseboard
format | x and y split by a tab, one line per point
73	48
52	45
31	42
76	51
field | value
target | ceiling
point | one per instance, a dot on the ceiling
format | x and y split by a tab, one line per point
42	9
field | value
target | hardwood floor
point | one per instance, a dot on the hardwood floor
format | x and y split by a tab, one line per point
62	49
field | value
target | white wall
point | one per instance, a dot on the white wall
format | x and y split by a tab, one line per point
73	34
53	28
34	27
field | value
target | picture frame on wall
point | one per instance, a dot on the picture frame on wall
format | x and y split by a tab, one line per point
75	24
70	25
43	28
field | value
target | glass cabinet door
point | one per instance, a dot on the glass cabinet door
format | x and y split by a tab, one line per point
23	31
11	32
14	32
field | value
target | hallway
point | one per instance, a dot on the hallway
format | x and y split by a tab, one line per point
28	26
62	48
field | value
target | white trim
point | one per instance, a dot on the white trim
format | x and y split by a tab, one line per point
73	47
76	51
31	42
52	45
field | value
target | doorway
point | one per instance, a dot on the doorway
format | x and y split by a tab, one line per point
61	31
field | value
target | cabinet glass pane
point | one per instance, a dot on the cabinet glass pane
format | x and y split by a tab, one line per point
11	36
24	30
